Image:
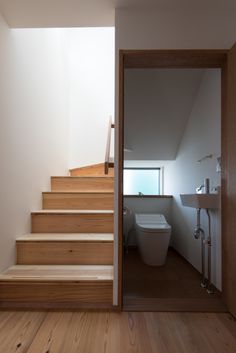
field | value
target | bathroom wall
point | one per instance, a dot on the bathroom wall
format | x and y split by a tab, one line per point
202	137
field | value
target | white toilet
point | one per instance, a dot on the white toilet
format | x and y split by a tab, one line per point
153	234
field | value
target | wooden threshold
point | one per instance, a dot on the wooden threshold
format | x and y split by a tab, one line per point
174	304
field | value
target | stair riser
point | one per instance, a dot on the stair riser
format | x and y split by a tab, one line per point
70	201
67	223
82	184
57	292
64	253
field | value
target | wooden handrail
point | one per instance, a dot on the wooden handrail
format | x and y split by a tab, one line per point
107	154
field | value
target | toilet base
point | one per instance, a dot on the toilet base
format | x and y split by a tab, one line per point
153	261
153	236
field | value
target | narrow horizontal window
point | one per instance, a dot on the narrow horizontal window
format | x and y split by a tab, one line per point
141	181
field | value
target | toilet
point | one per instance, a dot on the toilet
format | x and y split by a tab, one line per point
153	235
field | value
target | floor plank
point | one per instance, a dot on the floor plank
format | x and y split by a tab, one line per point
18	329
111	332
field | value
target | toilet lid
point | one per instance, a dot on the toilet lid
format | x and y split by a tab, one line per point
152	223
154	228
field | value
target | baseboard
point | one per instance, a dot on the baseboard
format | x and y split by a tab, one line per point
48	306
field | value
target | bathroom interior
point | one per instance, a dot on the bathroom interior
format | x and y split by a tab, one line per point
171	190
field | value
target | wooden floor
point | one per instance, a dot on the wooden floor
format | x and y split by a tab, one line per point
172	287
104	332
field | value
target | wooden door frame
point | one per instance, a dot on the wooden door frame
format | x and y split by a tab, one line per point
178	59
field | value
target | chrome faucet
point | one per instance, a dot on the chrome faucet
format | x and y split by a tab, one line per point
199	189
205	186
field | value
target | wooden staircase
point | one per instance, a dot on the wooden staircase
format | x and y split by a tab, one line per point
67	260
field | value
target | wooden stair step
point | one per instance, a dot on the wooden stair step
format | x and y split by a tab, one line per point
82	183
57	284
74	212
94	170
65	249
57	273
83	237
72	221
78	200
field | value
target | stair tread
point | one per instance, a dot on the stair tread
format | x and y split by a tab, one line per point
74	212
47	273
80	192
81	177
85	191
67	237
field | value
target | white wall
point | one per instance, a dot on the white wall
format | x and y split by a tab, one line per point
33	127
173	28
202	137
91	73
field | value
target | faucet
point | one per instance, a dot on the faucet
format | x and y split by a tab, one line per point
205	186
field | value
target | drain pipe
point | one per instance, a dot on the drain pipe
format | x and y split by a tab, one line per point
210	289
199	233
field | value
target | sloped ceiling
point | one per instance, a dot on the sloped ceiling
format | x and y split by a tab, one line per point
157	107
58	13
86	13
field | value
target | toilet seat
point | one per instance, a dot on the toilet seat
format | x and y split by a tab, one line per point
152	223
154	228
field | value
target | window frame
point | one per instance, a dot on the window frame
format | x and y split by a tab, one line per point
161	171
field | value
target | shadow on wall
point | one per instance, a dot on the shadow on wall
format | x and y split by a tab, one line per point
183	241
183	222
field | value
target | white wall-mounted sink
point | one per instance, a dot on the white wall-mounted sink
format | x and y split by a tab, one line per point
200	200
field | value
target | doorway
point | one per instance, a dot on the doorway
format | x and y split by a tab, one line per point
180	59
